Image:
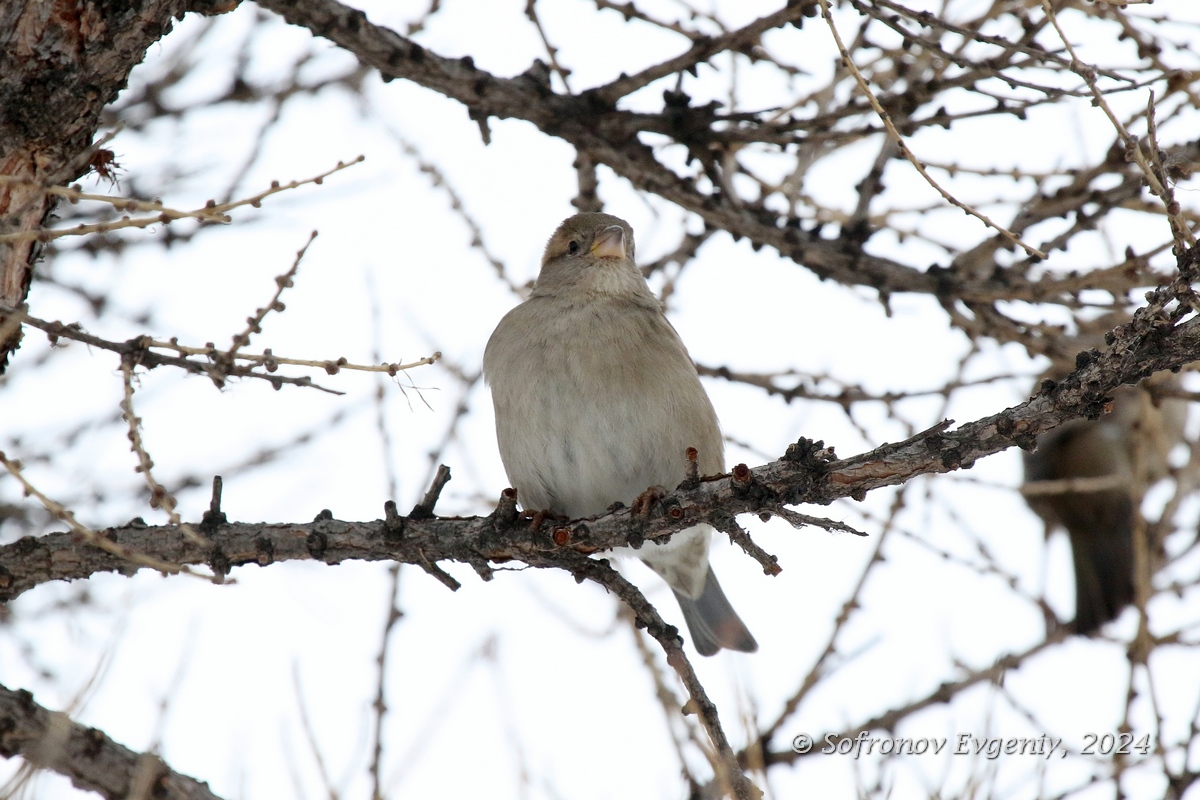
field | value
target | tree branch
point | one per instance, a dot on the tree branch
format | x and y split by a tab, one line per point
805	474
591	122
74	59
92	761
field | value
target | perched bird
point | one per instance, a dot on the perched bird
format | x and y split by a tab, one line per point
597	400
1115	453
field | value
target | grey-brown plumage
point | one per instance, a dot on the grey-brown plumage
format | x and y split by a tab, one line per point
597	400
1137	434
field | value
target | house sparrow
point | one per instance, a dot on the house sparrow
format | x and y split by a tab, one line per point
597	400
1129	446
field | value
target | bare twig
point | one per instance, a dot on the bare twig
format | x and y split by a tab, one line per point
863	86
210	212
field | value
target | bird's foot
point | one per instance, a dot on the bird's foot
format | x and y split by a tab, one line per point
538	518
647	500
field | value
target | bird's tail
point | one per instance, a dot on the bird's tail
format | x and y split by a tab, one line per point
1102	547
712	621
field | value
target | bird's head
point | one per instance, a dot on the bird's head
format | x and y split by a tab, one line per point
591	252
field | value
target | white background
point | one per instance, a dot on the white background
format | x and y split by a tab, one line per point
528	686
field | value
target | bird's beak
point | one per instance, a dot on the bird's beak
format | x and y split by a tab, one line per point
610	243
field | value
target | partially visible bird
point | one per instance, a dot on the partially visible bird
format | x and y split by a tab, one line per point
1114	453
597	400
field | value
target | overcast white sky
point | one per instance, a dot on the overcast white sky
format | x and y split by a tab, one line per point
527	686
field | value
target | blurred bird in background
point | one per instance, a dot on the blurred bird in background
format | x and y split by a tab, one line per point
597	400
1086	476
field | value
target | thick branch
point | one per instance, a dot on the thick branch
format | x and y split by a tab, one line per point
591	123
50	740
800	476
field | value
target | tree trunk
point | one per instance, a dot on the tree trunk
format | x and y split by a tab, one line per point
61	63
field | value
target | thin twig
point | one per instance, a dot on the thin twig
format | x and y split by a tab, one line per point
159	496
92	537
254	323
1133	148
211	211
267	359
848	60
729	773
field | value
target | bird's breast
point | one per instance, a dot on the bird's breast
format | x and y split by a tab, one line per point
593	407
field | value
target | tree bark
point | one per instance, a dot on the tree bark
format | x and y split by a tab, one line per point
61	63
87	756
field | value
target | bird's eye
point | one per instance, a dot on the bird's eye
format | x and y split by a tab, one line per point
573	247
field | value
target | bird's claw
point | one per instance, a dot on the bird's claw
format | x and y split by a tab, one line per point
647	500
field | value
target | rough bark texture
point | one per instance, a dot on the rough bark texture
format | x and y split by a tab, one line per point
85	755
61	63
805	474
604	134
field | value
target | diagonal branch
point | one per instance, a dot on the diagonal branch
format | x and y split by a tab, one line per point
729	772
805	474
591	123
92	761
